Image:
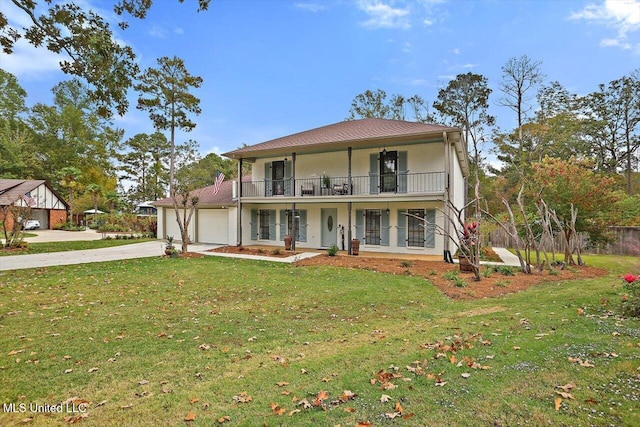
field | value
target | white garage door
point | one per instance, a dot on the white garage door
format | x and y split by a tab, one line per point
213	226
172	225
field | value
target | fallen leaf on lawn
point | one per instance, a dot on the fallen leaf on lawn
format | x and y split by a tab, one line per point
322	395
465	375
129	406
224	419
305	404
398	408
303	371
564	394
206	405
515	347
285	392
76	418
26	420
276	408
167	390
101	403
190	417
392	415
441	383
389	386
385	398
363	424
92	370
573	359
66	357
68	371
282	383
326	380
295	411
586	364
194	400
350	410
566	387
592	401
14	352
204	347
143	382
347	395
242	397
558	402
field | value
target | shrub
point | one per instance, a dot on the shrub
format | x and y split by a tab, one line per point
406	264
276	251
631	298
332	250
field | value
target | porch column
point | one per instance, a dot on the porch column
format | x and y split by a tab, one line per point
239	205
446	198
349	151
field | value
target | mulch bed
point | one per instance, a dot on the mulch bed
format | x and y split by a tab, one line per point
494	285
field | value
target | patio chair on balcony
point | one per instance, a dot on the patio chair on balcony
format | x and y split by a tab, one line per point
307	190
341	189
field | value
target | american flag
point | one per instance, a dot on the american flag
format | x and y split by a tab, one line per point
30	200
218	183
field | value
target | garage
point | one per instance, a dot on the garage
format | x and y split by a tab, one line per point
172	227
213	226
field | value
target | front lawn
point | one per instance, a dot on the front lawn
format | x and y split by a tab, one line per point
46	247
218	341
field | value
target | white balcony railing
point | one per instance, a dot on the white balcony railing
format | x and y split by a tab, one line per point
372	184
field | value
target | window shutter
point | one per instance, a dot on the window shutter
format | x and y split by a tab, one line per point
374	178
384	228
402	229
430	229
254	224
272	224
303	225
283	224
402	171
288	186
360	225
267	180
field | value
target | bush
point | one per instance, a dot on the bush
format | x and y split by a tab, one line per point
406	264
332	251
631	298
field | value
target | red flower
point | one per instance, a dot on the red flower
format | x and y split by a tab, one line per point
630	278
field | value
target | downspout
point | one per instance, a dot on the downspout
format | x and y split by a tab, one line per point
239	205
349	205
446	199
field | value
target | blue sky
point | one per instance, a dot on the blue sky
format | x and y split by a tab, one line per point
276	67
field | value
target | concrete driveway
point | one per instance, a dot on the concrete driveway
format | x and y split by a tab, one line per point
62	236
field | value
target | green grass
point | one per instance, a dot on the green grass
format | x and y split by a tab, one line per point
45	247
202	331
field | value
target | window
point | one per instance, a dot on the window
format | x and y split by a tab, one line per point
388	171
277	176
290	223
415	227
372	227
264	224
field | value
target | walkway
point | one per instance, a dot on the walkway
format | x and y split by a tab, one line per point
156	248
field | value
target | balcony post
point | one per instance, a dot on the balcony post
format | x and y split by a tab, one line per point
349	150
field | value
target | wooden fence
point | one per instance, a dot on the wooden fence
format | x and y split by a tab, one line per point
625	241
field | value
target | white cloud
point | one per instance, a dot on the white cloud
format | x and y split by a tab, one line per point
383	15
469	66
621	15
157	32
310	7
30	62
427	22
178	30
456	51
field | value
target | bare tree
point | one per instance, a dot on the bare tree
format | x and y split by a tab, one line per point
519	77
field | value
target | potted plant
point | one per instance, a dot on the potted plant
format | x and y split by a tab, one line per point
287	242
169	248
326	184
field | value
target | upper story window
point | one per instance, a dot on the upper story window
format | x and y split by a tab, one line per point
388	171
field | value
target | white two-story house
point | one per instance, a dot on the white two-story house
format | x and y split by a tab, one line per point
386	183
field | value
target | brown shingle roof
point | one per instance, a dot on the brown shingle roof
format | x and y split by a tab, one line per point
207	197
347	131
12	189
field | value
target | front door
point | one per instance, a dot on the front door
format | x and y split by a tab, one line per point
388	171
329	227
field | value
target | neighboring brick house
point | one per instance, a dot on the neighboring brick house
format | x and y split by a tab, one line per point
46	205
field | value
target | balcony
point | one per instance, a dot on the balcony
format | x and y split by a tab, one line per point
372	184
